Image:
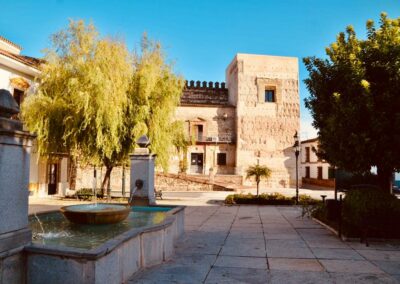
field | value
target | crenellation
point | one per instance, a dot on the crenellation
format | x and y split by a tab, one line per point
208	94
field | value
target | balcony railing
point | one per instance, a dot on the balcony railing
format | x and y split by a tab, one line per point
220	138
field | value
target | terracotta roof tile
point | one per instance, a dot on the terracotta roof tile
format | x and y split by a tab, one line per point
27	60
10	42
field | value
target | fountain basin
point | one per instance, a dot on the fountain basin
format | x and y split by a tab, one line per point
108	254
96	214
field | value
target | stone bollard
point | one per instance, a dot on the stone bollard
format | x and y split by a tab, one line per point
142	175
15	147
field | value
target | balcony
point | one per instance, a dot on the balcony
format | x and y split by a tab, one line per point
215	139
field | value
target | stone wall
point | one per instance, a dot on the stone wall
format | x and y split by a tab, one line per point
173	182
320	182
204	93
265	130
163	181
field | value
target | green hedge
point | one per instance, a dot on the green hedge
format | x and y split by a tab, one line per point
366	212
268	199
373	211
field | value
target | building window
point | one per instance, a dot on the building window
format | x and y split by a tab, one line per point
18	96
331	172
307	154
199	132
319	172
269	96
221	159
307	172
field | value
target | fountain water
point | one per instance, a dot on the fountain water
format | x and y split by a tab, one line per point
40	223
94	186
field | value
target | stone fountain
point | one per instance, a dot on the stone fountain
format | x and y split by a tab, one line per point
96	214
142	192
60	251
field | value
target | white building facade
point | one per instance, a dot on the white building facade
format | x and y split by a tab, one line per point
315	171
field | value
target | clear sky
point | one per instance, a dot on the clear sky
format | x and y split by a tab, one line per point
201	36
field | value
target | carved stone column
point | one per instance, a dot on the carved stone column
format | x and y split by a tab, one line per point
142	174
15	147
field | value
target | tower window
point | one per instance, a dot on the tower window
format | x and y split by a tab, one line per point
269	96
221	159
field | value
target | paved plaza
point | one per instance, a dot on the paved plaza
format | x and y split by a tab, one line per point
268	244
261	244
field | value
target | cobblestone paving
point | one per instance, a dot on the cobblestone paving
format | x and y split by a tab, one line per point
254	244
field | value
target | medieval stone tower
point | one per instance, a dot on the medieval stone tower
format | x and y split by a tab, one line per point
264	90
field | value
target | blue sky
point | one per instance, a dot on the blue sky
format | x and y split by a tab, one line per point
201	37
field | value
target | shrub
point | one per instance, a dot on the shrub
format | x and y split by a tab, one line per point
266	199
372	211
305	199
87	193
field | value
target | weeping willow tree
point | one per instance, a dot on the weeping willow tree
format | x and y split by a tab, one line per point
95	98
80	104
155	93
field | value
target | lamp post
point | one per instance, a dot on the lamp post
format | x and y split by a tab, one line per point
296	148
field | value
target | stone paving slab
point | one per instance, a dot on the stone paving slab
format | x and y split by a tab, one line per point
237	275
303	277
245	249
327	243
362	278
247	235
293	236
350	266
267	244
380	255
329	253
392	246
391	267
241	262
294	264
286	244
289	252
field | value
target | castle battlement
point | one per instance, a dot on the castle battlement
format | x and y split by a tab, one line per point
204	93
204	85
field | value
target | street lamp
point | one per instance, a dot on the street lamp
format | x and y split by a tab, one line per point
296	148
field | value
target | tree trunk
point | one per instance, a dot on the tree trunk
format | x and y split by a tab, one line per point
106	180
258	184
385	177
72	172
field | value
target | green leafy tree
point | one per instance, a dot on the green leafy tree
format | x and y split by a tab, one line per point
156	93
80	104
258	172
354	100
95	98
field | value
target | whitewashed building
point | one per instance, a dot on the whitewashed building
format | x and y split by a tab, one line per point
315	171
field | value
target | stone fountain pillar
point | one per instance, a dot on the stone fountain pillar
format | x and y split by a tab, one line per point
142	174
15	147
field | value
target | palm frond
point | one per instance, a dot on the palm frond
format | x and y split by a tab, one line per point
258	172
